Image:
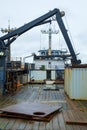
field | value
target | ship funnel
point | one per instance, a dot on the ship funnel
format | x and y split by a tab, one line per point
62	13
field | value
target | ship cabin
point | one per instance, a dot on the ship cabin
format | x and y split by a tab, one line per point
48	67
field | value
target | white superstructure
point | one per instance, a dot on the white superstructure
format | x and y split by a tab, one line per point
49	64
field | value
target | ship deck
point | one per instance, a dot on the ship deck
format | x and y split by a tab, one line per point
36	93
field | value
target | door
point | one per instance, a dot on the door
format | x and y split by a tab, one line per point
48	74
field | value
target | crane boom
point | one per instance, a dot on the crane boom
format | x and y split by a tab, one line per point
67	39
14	34
30	25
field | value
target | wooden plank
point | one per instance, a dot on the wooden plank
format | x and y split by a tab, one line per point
66	116
69	127
51	124
22	124
47	126
29	125
81	127
10	124
76	122
70	115
4	124
16	124
71	103
73	117
42	126
81	116
55	123
36	125
61	121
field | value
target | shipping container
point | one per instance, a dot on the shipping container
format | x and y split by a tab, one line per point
38	75
75	82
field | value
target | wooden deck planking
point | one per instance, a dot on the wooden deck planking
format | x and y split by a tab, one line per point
29	125
61	121
4	123
42	126
16	124
36	94
55	123
70	115
10	124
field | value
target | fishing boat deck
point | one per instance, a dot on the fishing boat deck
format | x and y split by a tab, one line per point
36	93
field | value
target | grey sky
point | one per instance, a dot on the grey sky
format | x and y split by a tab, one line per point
23	11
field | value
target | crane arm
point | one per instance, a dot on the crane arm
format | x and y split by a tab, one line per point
29	25
12	35
67	39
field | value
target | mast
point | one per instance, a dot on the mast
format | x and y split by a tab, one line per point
50	31
8	30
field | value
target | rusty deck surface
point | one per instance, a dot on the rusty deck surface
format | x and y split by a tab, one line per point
36	93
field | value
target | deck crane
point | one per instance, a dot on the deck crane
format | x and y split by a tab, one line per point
12	36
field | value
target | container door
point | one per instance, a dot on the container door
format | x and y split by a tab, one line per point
48	74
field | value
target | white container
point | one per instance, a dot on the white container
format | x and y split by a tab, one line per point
75	83
38	75
49	82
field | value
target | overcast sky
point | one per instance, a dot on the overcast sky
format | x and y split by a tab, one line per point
20	12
